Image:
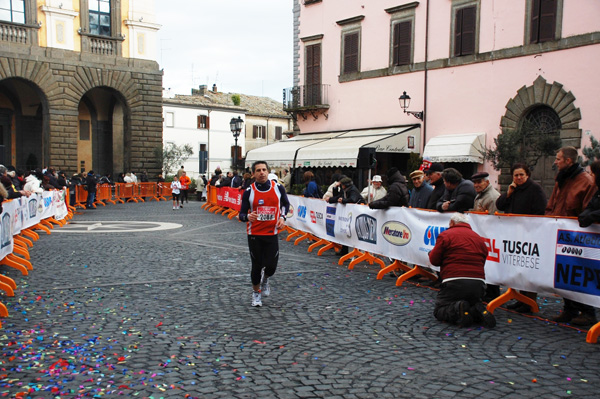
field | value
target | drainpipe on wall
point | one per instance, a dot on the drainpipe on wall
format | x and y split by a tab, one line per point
425	77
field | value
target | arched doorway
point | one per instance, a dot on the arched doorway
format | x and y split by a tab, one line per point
103	132
23	124
550	110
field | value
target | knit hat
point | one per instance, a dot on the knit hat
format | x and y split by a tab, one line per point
391	172
346	181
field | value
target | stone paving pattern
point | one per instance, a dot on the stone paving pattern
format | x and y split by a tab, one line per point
166	314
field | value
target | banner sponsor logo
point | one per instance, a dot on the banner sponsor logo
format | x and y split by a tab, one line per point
493	251
346	224
366	228
330	221
432	233
396	233
521	254
314	216
302	213
577	264
290	213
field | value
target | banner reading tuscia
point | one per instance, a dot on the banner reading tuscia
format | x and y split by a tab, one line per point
539	254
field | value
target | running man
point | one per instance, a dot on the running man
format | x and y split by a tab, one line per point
264	206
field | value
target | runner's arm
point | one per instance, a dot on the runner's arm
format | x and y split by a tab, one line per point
243	215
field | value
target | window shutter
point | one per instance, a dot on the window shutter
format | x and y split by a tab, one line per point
208	122
535	21
458	32
278	132
199	122
396	44
351	52
254	131
404	42
468	30
232	151
547	20
313	75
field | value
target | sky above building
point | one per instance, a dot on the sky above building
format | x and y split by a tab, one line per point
242	46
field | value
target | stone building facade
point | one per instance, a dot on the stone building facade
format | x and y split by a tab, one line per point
79	86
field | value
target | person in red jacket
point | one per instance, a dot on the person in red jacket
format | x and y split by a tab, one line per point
461	253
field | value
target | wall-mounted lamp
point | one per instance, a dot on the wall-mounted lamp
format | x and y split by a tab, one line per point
404	100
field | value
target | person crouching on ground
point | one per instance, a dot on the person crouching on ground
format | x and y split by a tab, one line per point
460	253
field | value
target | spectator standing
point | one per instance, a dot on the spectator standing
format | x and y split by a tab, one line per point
11	190
459	195
374	191
180	172
397	194
591	213
350	194
185	182
160	178
524	196
128	178
312	188
236	180
264	206
422	191
573	190
461	253
121	178
485	200
287	180
437	182
247	181
90	183
334	189
144	177
175	191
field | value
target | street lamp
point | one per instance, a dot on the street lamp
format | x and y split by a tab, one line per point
236	124
404	100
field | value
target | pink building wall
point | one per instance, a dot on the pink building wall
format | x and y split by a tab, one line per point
470	98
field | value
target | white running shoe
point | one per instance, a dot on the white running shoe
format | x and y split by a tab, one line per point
256	299
265	287
174	208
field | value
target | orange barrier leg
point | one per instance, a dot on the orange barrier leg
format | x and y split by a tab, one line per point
21	251
318	244
366	257
294	234
7	288
22	261
512	294
40	226
593	333
46	223
331	245
30	233
15	265
24	241
8	281
3	311
233	214
57	222
351	254
395	265
304	236
415	271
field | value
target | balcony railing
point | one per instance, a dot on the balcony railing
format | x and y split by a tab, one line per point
306	97
15	33
103	46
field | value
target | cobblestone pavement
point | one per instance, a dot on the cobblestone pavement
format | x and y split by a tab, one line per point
112	310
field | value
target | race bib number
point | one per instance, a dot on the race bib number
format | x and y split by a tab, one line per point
266	213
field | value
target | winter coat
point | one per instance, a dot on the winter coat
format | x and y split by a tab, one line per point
574	195
397	194
351	195
591	214
420	196
527	199
33	184
461	198
485	201
90	182
460	253
436	194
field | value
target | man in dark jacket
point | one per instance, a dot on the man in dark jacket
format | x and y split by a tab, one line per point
459	195
434	172
420	194
349	194
397	194
90	183
461	253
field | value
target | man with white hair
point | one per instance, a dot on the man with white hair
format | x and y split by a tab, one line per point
461	253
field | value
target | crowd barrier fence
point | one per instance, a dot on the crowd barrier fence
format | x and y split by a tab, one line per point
551	255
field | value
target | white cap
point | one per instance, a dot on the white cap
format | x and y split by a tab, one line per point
273	176
377	178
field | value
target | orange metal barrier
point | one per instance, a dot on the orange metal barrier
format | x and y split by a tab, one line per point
104	194
148	190
164	191
125	191
80	196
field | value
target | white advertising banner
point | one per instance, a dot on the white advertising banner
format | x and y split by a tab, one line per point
540	254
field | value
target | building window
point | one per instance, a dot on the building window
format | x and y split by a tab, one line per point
351	50
99	13
278	132
313	74
12	11
465	30
543	17
402	43
170	119
259	132
203	122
